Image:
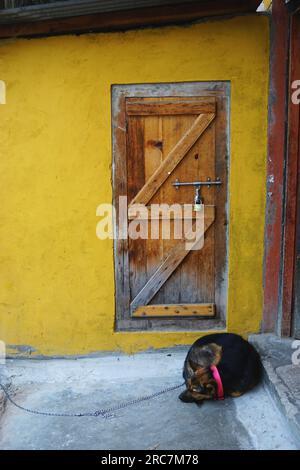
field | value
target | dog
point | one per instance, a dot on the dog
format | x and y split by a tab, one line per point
220	365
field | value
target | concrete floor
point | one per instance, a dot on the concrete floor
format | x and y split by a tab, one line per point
248	422
282	377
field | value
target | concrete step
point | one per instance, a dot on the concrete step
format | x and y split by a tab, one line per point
281	376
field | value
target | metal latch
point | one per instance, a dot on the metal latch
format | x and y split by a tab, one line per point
197	185
208	183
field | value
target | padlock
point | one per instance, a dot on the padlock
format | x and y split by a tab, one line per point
198	204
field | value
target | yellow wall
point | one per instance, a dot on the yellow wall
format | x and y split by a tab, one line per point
57	281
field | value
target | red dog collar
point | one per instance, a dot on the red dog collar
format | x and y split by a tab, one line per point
217	378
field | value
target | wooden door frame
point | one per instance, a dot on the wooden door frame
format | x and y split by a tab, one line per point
221	90
282	168
292	168
275	163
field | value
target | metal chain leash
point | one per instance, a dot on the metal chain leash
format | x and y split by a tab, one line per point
104	412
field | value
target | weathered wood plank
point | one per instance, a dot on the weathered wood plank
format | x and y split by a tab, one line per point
175	156
148	107
174	258
119	175
153	143
135	179
179	310
220	200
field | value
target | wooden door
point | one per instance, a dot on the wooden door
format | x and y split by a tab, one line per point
160	140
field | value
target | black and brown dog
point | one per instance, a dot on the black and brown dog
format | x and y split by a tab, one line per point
220	365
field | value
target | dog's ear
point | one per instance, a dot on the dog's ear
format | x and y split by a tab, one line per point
205	356
194	366
216	353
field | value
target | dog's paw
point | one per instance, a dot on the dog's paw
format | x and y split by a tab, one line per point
199	403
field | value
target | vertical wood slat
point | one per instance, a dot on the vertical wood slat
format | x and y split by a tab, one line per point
135	179
171	161
166	107
154	150
121	261
289	293
221	222
275	164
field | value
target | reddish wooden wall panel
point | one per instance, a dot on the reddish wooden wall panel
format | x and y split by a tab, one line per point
275	164
292	169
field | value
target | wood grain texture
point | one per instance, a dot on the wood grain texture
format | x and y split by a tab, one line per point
275	164
220	144
289	287
121	259
171	161
154	143
165	107
179	310
174	127
174	258
136	178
